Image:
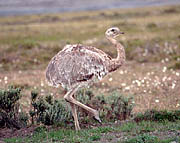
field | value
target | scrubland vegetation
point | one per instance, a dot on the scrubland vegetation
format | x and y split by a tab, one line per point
139	103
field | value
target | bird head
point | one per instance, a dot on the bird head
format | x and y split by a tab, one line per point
113	32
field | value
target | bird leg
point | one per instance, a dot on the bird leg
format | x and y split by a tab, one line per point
69	98
74	113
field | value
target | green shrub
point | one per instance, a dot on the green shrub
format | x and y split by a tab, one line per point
145	138
113	107
9	98
154	115
9	109
49	111
84	96
120	106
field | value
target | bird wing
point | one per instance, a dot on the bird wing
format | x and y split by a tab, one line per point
76	63
91	63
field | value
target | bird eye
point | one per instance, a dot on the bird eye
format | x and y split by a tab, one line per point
112	30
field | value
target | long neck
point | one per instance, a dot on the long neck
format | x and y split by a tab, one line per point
119	61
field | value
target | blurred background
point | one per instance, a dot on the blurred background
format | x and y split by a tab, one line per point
21	7
32	32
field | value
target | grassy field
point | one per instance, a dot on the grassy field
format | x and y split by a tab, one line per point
29	42
129	132
151	74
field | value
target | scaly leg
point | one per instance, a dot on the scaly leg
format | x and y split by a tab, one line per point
74	112
69	97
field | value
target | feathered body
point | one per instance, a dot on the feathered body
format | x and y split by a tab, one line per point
77	63
76	66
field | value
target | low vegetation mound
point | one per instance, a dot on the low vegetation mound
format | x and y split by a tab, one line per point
49	111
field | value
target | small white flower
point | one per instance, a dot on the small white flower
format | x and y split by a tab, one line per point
164	69
164	78
110	79
173	85
5	78
20	72
171	70
127	88
142	81
42	84
178	105
121	72
133	102
0	80
148	73
123	84
5	81
138	83
42	90
35	60
169	78
51	94
166	59
177	74
133	81
19	110
157	101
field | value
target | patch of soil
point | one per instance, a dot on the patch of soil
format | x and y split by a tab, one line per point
9	133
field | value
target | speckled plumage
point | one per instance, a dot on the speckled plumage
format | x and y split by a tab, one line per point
76	63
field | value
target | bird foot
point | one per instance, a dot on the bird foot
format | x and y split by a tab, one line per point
97	119
77	128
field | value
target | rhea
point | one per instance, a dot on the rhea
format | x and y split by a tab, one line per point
77	66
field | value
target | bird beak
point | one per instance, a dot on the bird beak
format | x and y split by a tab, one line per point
121	32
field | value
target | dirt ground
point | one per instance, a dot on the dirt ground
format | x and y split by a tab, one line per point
9	133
